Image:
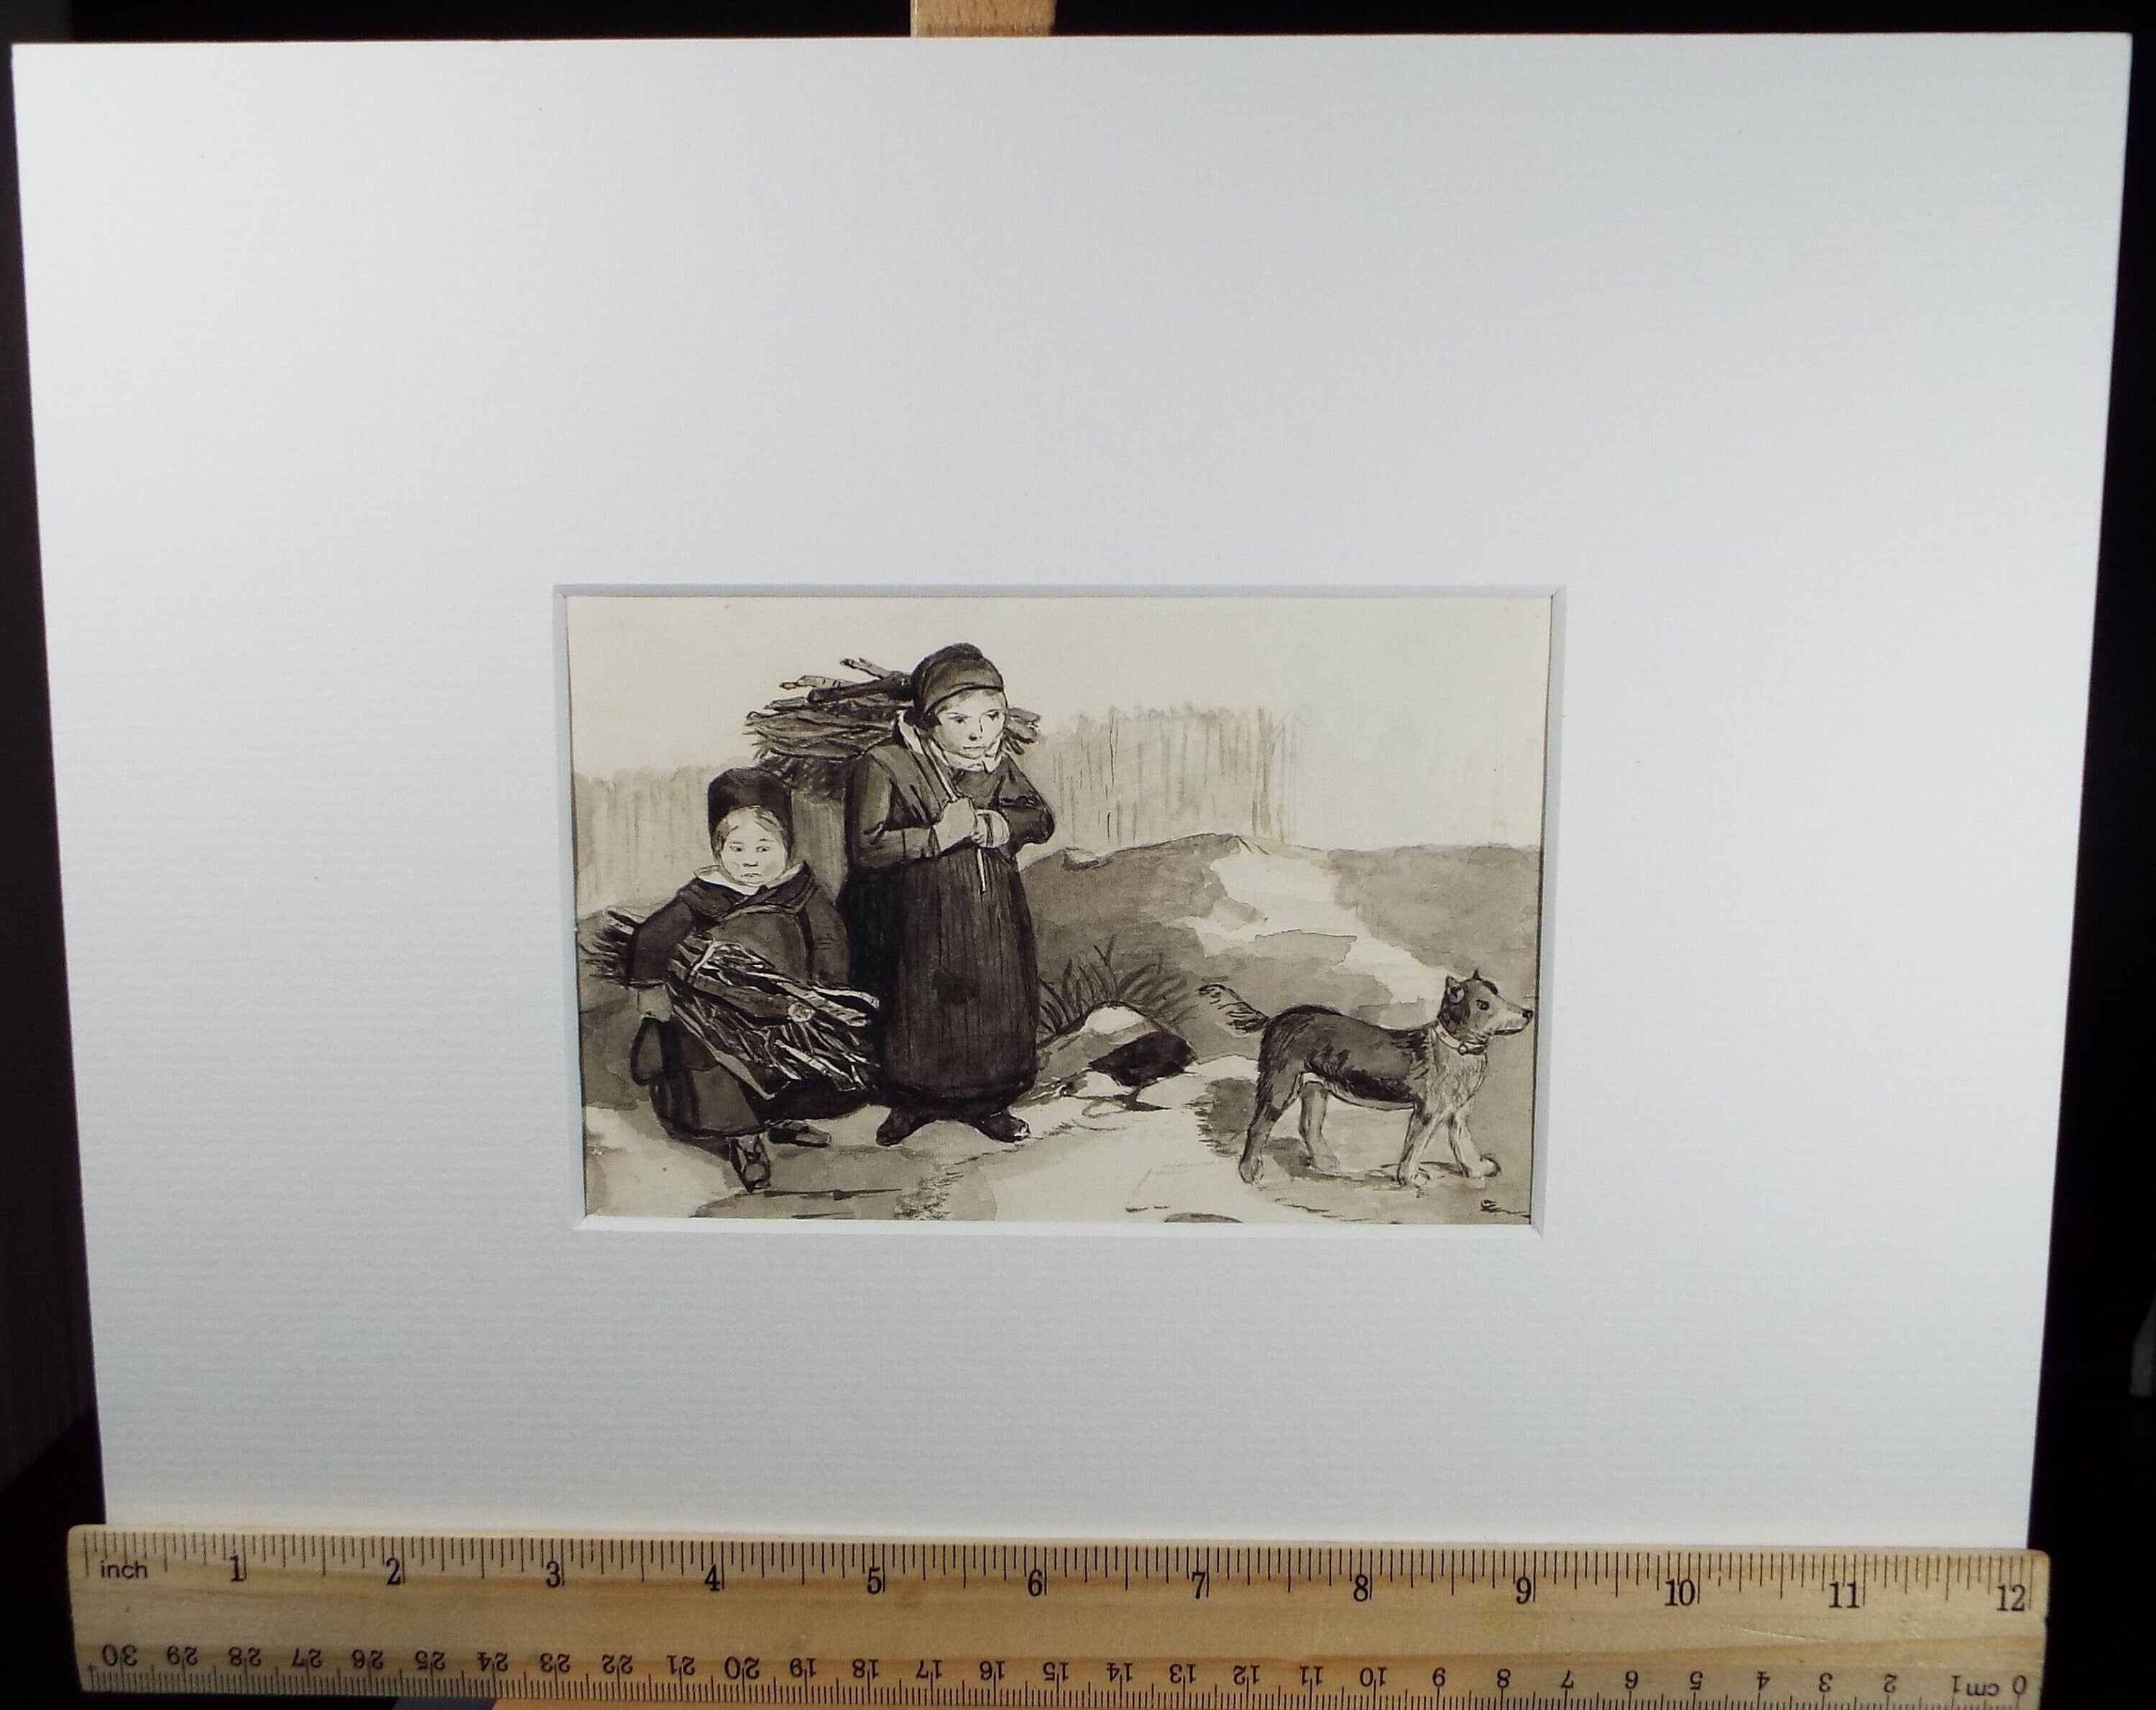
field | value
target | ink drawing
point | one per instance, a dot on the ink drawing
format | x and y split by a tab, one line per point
1040	910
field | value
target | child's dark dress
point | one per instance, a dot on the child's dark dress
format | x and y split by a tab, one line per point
793	926
944	940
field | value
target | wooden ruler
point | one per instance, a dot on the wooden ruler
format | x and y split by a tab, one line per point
1089	1626
984	17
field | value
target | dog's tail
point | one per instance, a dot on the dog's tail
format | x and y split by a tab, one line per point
1236	1013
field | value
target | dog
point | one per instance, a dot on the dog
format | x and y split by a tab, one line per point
1433	1071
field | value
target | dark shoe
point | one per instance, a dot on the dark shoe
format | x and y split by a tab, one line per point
751	1162
899	1125
1004	1127
798	1133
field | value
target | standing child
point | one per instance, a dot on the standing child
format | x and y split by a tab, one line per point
741	978
935	818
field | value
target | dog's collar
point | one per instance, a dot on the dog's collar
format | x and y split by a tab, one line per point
1458	1044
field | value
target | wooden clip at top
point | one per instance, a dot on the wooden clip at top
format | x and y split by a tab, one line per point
984	17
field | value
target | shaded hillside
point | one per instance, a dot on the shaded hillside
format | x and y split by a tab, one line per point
1371	932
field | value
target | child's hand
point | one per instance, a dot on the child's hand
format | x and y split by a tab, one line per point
992	829
654	1002
956	824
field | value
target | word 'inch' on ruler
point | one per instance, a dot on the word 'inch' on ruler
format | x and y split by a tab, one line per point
1078	1626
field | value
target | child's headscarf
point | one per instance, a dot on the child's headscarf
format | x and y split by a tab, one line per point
750	786
950	671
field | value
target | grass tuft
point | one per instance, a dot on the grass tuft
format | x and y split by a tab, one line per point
1101	978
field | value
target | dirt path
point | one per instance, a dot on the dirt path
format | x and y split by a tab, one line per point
1094	1159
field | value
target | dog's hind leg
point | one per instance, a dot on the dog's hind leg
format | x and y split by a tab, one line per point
1315	1099
1470	1161
1275	1089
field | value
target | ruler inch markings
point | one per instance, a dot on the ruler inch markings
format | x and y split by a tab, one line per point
1053	1625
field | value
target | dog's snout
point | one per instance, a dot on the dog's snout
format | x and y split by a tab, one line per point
1526	1015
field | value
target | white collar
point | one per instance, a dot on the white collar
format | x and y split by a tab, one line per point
717	876
936	754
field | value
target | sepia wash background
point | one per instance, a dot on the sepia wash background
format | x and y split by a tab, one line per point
1333	800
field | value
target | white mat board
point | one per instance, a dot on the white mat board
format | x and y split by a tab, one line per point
1783	359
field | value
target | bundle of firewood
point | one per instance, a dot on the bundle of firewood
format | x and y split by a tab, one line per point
812	734
828	1038
825	1034
604	946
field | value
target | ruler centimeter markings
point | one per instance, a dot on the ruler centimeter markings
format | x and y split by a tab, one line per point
966	1626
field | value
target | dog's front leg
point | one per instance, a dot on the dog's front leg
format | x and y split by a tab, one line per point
1419	1125
1472	1162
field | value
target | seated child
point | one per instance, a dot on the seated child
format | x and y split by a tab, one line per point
742	979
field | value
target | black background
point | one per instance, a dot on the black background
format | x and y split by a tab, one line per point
2097	1452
